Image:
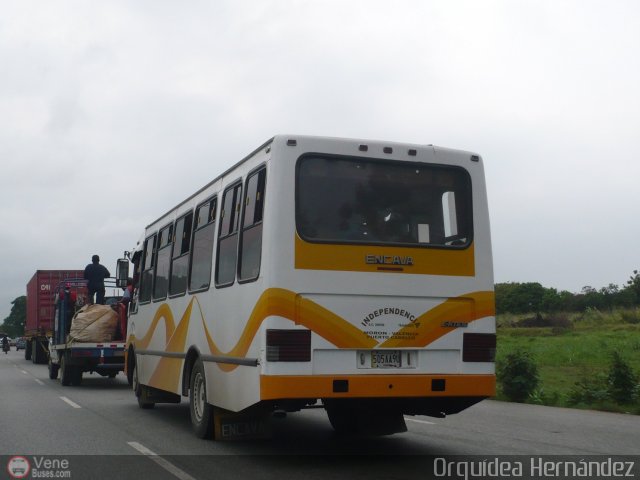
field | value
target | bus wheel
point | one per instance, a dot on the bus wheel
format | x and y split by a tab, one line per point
201	411
364	421
139	390
131	358
343	421
53	370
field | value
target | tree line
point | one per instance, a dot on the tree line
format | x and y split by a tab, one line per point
13	325
533	297
510	298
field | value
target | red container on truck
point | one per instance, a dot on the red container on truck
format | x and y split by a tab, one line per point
41	310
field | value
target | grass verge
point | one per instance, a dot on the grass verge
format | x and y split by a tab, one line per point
579	352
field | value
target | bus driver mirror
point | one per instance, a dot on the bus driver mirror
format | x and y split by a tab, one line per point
122	273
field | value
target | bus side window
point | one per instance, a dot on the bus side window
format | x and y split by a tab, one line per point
180	256
164	242
148	262
202	252
228	236
251	236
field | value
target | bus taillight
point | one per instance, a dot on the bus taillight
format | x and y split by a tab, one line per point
288	345
479	347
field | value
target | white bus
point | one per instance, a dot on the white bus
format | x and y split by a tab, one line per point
349	275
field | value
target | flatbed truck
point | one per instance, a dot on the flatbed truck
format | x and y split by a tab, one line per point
69	358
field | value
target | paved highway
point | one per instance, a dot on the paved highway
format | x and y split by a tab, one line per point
39	417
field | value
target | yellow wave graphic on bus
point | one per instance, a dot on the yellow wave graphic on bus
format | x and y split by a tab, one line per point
428	327
287	304
335	329
167	374
163	313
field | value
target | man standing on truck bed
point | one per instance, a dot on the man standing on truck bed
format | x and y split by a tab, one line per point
95	274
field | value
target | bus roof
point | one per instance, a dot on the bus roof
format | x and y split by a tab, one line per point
294	138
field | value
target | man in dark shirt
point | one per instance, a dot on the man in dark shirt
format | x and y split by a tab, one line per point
95	274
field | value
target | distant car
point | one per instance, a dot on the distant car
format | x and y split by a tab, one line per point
21	344
12	342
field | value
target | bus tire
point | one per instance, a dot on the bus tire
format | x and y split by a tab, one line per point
142	404
138	389
344	421
349	421
131	358
201	411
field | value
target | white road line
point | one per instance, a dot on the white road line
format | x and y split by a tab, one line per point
420	421
25	372
38	381
73	404
168	466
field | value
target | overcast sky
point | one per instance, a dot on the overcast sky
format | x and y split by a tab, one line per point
111	112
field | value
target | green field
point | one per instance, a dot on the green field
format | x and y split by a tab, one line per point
578	351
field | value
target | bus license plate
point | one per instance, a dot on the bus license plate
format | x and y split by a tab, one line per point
386	359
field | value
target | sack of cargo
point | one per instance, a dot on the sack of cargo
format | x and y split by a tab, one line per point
94	323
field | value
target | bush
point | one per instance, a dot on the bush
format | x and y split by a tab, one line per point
618	386
518	376
541	397
630	316
622	382
558	321
591	315
560	330
589	390
537	321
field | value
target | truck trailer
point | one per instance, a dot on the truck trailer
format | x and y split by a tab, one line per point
41	310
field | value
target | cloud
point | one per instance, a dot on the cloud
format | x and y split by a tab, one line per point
113	112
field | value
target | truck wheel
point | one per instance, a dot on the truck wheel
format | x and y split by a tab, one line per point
65	372
38	353
76	375
53	370
34	351
139	389
27	350
201	411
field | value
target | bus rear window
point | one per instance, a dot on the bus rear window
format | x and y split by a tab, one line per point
352	200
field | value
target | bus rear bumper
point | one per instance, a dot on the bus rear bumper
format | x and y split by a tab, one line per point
278	387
